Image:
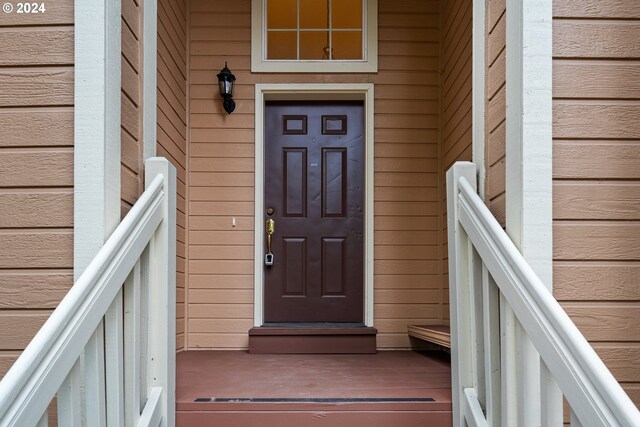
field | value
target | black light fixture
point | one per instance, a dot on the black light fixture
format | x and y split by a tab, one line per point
226	81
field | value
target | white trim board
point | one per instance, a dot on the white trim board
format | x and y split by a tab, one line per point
479	91
528	129
308	92
96	161
149	10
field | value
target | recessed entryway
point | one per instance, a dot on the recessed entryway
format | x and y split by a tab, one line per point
314	180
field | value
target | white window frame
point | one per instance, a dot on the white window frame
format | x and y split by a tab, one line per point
370	50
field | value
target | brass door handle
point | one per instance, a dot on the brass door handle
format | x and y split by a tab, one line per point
270	229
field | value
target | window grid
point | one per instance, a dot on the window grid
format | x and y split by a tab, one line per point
330	30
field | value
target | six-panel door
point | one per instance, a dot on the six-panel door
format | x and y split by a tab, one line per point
314	183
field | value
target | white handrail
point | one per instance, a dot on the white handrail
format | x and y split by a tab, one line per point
36	376
61	318
591	390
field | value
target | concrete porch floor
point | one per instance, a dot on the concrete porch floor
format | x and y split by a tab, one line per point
383	389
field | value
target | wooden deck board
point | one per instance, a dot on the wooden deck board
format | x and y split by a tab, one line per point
389	375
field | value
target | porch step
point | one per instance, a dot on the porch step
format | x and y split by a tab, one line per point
389	388
312	340
381	413
437	334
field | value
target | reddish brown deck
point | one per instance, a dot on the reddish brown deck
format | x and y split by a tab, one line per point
400	379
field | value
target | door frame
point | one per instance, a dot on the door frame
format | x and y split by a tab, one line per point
313	92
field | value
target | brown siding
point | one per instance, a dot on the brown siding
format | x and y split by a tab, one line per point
36	171
132	179
495	107
407	192
456	42
596	87
172	124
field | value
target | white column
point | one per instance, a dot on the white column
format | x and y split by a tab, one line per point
478	94
96	127
96	173
149	76
529	179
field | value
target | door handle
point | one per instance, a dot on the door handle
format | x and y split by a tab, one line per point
270	229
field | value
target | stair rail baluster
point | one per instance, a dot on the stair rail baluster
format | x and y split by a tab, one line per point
497	300
95	339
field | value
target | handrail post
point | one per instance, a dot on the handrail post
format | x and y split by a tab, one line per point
162	293
459	292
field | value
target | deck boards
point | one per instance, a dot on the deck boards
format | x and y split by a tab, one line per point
388	375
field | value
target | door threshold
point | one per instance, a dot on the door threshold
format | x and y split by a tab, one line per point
312	340
312	325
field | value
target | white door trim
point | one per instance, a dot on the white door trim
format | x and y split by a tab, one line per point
307	92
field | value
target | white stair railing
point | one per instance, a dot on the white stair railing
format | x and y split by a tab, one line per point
107	353
490	285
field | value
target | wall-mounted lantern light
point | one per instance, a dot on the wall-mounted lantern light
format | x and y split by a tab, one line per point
226	81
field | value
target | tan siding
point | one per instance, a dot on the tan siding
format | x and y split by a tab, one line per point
36	127
456	45
495	106
51	167
19	326
601	201
407	192
23	288
131	174
36	87
36	248
36	172
596	85
172	126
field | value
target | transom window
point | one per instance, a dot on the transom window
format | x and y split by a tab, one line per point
326	30
314	35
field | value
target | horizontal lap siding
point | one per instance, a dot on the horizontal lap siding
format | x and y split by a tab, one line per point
596	89
495	107
408	276
131	174
456	64
172	126
407	196
36	171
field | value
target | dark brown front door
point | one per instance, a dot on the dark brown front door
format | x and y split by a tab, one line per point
314	183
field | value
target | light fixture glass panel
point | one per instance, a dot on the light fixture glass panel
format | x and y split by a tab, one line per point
281	45
346	14
282	14
347	45
313	43
314	14
226	87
